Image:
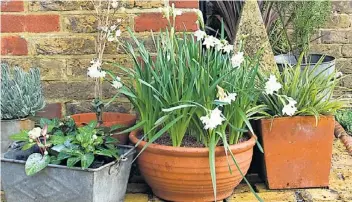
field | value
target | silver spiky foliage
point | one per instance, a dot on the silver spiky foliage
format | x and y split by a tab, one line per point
21	92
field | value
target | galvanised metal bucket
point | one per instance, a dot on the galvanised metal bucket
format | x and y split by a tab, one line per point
58	183
327	65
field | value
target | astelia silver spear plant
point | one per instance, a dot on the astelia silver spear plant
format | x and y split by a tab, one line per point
21	92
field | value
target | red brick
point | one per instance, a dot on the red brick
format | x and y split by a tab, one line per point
13	45
29	23
185	3
156	22
50	111
42	23
13	23
11	6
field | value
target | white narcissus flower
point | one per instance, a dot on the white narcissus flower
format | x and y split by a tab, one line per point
272	85
118	33
338	74
113	27
104	28
228	48
35	133
237	59
200	34
209	41
290	108
116	84
213	119
114	3
165	11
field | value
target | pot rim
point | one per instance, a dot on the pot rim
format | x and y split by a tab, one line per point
129	155
92	113
332	58
191	151
19	119
296	117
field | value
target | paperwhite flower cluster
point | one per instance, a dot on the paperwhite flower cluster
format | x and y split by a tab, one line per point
290	108
114	3
272	85
112	32
213	119
117	83
219	45
94	71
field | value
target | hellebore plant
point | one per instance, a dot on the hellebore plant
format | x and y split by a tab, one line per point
61	142
194	85
297	92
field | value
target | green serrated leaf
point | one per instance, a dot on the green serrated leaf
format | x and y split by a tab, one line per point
87	160
35	163
21	136
28	145
72	161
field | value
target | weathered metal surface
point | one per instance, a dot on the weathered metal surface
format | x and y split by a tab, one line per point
58	183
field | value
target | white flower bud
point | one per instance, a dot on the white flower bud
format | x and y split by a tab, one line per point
46	152
94	137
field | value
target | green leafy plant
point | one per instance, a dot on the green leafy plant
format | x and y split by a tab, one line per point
344	117
177	91
21	92
61	142
297	92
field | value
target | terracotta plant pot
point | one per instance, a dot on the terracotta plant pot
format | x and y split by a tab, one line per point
297	152
109	119
183	174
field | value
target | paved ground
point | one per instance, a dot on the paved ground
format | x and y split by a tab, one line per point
340	189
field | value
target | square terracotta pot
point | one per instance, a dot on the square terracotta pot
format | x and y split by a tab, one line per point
297	152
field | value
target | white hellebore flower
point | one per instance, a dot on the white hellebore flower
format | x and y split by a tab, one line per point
200	34
290	108
237	59
272	85
34	133
209	41
213	119
114	3
228	48
94	70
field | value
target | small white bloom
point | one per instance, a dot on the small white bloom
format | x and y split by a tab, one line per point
94	137
230	97
272	85
114	3
178	12
104	28
228	48
116	84
46	152
119	20
237	59
113	27
94	70
47	136
290	108
209	41
30	140
34	133
200	34
118	33
165	11
218	44
338	74
213	119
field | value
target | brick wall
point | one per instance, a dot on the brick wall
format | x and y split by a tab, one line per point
336	40
59	38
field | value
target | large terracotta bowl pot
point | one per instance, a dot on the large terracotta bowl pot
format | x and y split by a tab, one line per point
109	119
183	173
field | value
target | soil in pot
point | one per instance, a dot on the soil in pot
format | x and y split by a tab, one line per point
109	119
183	173
297	152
